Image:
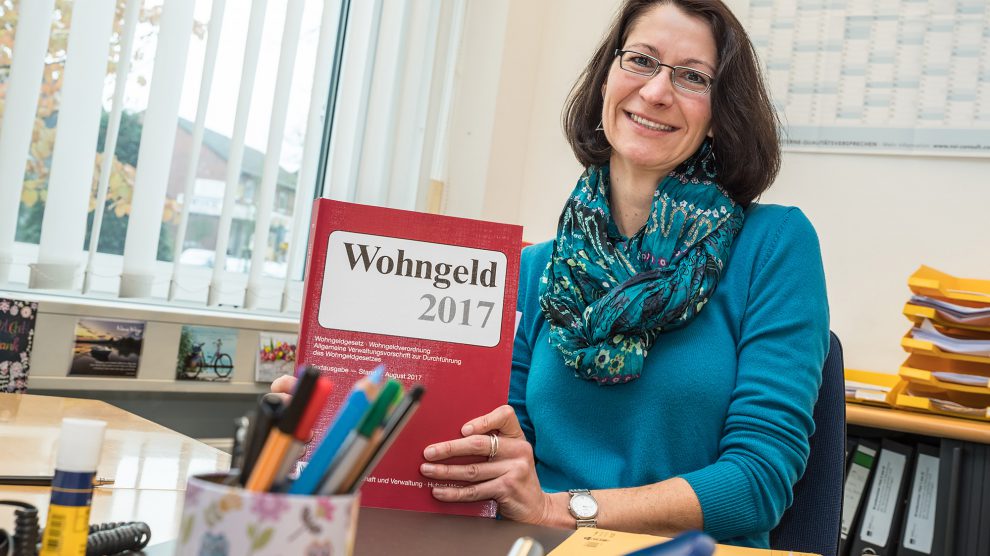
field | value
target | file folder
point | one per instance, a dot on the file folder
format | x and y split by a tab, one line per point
881	516
853	489
974	495
984	543
919	536
947	515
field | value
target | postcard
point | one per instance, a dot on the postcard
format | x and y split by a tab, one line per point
107	347
206	353
276	356
16	335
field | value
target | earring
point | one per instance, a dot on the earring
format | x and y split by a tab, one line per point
600	128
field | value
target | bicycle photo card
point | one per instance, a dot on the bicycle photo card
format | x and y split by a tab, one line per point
206	353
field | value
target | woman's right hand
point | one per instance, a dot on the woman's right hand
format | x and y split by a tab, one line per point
283	386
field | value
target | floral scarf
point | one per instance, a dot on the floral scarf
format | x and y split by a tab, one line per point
607	297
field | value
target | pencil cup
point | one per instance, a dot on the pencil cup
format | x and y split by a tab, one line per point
221	520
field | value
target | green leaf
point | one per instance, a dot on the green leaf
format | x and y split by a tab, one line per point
262	540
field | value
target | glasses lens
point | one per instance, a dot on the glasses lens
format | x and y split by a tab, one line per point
638	63
691	80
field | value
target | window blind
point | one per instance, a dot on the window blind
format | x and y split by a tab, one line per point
201	212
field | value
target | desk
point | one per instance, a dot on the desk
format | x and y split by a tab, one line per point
150	465
917	423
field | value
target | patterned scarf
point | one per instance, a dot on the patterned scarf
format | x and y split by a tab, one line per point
607	298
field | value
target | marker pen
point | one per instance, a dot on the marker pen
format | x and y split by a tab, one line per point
265	416
390	431
346	420
321	393
280	439
67	528
356	442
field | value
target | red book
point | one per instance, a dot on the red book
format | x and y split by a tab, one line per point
434	299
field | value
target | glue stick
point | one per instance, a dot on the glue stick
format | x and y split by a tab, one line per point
78	453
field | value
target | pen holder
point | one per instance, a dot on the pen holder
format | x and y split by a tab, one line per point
218	520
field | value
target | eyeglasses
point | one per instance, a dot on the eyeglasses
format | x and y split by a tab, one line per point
689	79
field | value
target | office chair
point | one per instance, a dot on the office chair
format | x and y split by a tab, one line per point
812	522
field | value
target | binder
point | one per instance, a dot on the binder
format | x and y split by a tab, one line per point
974	491
947	514
919	535
881	516
984	543
850	450
853	489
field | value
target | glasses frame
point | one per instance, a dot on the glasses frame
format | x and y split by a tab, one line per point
660	65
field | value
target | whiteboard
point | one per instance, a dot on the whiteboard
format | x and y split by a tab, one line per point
887	76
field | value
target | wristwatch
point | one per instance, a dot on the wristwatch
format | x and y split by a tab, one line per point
583	507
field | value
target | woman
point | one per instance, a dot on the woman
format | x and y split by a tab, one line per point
672	338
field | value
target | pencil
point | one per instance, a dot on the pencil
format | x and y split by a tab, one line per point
42	480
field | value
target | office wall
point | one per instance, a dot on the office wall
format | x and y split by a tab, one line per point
878	217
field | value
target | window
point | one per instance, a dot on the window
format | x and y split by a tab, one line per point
214	113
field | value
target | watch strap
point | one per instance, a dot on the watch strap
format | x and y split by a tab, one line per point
582	522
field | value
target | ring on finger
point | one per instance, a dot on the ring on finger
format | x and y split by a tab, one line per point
493	451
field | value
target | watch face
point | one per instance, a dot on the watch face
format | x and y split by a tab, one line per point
584	506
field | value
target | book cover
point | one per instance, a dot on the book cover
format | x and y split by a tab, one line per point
276	356
107	347
16	336
434	299
206	353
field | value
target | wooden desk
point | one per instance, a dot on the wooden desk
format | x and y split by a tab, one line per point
918	423
149	463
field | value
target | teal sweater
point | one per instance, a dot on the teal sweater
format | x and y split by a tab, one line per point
725	402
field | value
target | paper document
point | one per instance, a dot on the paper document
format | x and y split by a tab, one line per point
953	407
928	333
960	378
953	312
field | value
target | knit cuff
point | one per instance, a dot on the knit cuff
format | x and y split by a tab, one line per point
726	501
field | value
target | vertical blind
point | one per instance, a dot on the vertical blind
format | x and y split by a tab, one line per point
212	214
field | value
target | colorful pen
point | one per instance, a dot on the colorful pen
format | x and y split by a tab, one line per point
280	439
359	438
346	420
321	393
393	426
265	416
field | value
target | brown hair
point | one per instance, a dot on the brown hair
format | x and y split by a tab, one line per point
744	124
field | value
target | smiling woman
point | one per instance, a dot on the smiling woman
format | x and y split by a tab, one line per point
672	335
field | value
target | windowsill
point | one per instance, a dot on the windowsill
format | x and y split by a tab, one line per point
38	384
97	304
55	335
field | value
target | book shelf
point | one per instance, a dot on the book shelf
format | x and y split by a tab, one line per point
953	498
917	423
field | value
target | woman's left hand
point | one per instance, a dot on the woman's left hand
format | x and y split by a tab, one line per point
509	478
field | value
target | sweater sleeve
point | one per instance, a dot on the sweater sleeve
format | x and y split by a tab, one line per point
531	265
782	346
